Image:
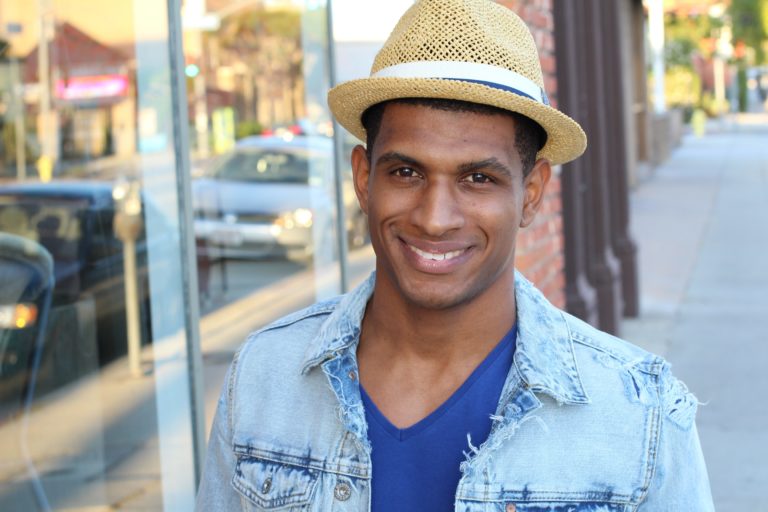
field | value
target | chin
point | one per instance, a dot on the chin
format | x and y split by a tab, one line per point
436	299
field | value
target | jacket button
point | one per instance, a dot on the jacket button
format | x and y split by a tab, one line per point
266	486
511	507
342	491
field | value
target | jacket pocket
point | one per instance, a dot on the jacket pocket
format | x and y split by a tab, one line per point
271	485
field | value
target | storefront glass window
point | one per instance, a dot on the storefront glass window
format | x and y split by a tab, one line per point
95	394
267	203
136	213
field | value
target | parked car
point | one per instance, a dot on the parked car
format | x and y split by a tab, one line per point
271	196
74	222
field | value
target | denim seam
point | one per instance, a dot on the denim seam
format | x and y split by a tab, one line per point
321	309
549	496
571	337
231	391
654	368
339	468
346	438
654	435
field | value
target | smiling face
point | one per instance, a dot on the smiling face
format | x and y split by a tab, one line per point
445	196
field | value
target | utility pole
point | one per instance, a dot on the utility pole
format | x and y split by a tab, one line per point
656	37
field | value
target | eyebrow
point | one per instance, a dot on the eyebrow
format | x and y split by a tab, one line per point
489	163
394	156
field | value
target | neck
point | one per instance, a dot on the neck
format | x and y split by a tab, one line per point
459	332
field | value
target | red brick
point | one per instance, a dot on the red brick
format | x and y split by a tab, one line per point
548	64
540	246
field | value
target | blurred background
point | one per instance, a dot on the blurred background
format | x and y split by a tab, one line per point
171	179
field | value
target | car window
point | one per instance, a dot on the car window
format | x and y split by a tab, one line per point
54	224
264	166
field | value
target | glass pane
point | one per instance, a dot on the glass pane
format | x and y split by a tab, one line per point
359	31
263	171
94	390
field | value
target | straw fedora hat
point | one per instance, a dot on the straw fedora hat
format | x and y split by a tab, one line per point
470	50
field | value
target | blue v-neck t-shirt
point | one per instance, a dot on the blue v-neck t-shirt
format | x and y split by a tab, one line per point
417	468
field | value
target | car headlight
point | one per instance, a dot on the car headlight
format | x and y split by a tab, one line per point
17	316
303	217
300	217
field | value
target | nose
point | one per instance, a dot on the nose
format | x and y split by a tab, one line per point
438	210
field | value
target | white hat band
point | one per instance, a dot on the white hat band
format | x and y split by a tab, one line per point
485	74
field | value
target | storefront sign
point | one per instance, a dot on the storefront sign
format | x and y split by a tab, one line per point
92	87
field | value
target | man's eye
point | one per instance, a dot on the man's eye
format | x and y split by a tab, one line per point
479	177
404	172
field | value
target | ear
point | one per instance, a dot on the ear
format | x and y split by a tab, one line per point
535	187
361	172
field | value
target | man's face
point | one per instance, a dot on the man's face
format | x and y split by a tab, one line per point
445	196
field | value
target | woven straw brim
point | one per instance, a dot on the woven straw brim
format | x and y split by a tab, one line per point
566	140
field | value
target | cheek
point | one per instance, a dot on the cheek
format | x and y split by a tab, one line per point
387	203
500	218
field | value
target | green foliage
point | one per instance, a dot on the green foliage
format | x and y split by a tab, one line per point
682	87
750	24
246	128
246	31
678	53
686	35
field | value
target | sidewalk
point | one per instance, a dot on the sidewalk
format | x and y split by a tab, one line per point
700	224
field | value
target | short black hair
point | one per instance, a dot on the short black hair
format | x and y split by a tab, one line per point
530	137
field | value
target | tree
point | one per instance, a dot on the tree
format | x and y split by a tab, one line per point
750	25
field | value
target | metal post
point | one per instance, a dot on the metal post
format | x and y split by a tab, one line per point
719	70
339	157
656	36
187	240
46	162
132	308
18	118
127	225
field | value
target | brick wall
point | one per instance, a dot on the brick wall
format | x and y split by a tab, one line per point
540	250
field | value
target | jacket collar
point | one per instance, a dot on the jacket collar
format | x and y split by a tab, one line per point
341	330
543	356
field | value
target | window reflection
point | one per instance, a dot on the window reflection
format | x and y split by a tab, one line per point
93	391
88	179
267	207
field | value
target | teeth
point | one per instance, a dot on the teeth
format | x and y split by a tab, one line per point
435	256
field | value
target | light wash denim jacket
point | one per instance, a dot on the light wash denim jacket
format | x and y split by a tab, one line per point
586	422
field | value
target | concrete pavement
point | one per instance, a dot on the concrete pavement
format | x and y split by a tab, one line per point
701	225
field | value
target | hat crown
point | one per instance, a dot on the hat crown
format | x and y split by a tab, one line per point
475	31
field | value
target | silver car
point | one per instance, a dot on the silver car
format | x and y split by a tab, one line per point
272	196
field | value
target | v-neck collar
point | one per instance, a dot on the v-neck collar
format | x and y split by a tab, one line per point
403	434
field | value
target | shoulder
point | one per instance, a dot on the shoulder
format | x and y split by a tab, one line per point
642	378
287	337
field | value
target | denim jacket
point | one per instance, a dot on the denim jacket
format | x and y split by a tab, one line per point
586	422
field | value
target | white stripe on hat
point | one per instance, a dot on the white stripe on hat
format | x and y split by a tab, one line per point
469	71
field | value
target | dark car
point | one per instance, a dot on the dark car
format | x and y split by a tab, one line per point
273	195
86	327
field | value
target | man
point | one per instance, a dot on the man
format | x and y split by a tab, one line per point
447	381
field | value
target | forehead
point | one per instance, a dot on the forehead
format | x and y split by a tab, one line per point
461	134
